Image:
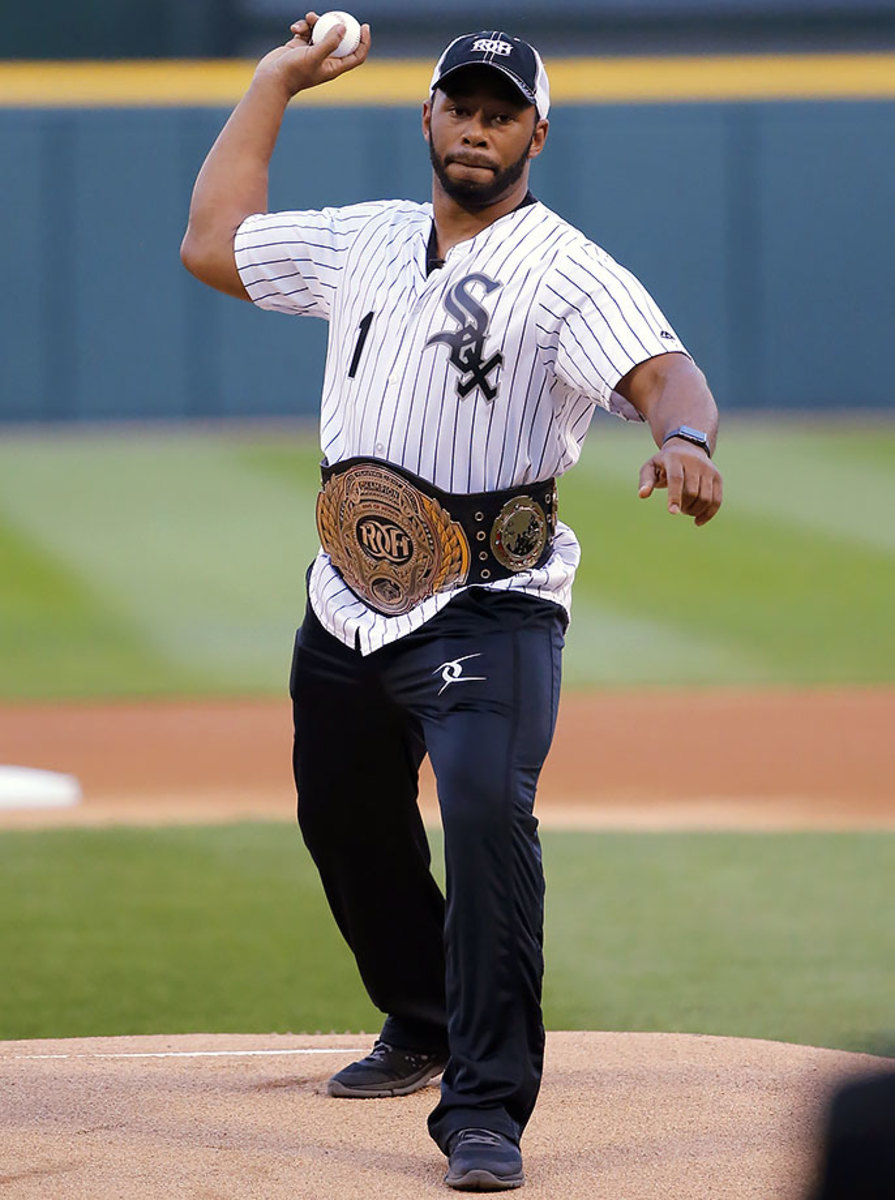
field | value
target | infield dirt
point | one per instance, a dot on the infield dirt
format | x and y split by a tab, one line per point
664	759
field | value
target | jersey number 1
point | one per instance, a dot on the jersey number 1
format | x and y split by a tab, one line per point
359	348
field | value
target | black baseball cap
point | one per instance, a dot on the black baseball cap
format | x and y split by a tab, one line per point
515	59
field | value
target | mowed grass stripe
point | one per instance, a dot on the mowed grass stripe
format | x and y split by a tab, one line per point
58	638
202	554
606	647
834	481
225	929
804	607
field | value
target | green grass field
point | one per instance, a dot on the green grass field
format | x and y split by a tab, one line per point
225	929
135	563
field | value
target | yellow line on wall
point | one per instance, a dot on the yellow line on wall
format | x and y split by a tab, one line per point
398	82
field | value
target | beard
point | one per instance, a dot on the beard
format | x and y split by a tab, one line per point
473	194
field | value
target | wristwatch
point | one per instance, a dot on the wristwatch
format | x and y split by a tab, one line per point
696	436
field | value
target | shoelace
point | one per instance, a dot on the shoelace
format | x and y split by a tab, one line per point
483	1137
382	1050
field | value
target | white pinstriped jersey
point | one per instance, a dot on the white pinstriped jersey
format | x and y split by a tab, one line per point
479	376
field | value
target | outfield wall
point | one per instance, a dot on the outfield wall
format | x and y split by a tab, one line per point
761	221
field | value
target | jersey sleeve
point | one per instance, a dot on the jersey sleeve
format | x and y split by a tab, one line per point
292	262
604	322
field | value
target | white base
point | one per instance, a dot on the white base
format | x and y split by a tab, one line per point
28	787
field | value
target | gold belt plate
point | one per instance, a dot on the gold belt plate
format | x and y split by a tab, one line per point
394	545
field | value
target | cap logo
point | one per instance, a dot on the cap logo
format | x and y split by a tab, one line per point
491	46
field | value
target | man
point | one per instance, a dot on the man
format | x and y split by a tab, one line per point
469	342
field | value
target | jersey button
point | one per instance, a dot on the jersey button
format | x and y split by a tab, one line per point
379	447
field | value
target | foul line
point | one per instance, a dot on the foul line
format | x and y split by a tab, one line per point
199	1053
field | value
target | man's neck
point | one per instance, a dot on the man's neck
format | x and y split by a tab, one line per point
454	224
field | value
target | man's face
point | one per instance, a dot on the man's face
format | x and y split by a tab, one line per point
481	135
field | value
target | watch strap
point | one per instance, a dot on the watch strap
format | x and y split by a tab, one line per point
696	436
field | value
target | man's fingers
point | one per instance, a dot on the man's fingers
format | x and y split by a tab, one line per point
694	488
337	66
356	57
324	48
714	503
675	475
303	27
651	476
698	495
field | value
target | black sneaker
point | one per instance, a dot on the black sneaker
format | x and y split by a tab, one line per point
386	1071
483	1161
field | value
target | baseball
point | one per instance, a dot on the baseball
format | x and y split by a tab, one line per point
349	42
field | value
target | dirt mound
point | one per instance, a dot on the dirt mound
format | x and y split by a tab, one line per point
623	1116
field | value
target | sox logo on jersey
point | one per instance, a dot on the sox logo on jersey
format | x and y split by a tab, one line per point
467	343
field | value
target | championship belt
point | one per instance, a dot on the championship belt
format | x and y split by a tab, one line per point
396	539
394	545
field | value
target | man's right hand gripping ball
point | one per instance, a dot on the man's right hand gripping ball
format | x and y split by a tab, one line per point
300	65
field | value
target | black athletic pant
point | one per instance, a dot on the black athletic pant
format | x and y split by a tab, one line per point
476	688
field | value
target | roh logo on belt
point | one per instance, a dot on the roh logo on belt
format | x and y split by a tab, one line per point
384	540
393	544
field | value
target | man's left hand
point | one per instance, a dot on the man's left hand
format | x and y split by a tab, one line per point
692	479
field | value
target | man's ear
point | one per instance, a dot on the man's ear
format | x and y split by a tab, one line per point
540	136
427	118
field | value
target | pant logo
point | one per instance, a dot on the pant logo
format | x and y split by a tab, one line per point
452	672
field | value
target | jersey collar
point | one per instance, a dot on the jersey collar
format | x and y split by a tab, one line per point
434	263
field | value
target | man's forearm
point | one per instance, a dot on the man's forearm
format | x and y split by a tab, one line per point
233	180
672	391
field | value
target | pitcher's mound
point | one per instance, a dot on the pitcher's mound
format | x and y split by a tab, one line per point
634	1116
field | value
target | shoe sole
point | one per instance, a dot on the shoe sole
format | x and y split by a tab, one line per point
483	1181
382	1092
